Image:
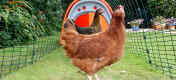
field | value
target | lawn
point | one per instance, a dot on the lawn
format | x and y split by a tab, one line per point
56	66
14	58
156	48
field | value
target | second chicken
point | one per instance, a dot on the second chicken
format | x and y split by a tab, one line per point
95	27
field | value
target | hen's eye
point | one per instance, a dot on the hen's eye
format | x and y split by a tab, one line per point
122	7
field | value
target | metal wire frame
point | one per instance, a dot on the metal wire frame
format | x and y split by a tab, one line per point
21	54
157	47
153	46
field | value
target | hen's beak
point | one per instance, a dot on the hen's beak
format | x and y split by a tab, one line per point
120	10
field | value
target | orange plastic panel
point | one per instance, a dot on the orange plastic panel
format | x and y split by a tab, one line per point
89	19
104	23
86	19
83	20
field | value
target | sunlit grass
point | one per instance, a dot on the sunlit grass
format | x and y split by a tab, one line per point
156	48
56	66
14	58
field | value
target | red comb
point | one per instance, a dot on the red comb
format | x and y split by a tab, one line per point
119	6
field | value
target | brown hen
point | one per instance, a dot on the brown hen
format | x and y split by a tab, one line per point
91	53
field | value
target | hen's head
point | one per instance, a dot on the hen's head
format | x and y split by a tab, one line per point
119	12
99	11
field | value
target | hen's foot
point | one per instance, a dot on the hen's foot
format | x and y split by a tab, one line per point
89	77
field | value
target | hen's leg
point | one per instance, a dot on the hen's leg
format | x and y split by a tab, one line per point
96	76
90	78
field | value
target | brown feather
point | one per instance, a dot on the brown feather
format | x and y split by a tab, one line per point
91	53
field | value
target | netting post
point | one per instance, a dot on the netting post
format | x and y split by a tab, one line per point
33	52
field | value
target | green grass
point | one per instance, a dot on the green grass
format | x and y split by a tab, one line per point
56	66
13	58
155	47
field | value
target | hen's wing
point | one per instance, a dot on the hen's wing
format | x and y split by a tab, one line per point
72	44
86	30
92	47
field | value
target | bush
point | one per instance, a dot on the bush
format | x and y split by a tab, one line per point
22	21
164	8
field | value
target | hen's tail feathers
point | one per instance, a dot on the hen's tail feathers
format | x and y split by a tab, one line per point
69	25
69	29
78	29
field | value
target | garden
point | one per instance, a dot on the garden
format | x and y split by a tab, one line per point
30	36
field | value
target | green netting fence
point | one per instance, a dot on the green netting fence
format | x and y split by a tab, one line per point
29	29
155	41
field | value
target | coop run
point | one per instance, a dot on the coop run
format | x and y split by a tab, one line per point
29	29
